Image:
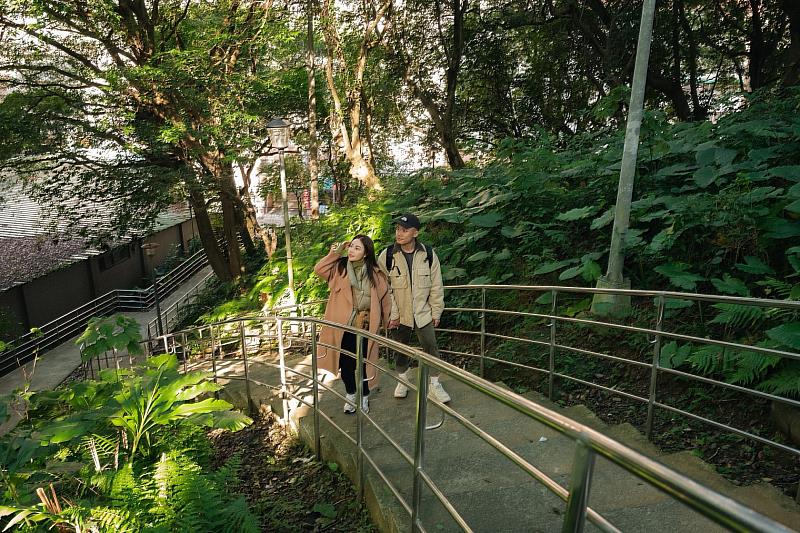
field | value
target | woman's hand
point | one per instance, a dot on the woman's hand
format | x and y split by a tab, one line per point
339	247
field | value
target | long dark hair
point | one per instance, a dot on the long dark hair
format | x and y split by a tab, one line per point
370	261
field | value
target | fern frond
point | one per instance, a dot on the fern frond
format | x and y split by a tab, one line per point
706	359
751	366
784	382
738	316
113	519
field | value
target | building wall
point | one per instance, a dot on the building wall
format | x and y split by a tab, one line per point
122	274
43	299
53	295
13	303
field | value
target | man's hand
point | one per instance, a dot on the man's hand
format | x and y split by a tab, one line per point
394	324
436	322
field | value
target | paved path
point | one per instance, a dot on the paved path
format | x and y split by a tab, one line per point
56	364
489	491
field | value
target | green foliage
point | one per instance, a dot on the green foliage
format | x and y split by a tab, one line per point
116	332
79	438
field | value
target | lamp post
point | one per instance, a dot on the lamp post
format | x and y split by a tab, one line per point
279	139
150	251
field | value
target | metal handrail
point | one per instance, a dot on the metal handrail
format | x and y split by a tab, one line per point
589	443
657	333
170	315
25	347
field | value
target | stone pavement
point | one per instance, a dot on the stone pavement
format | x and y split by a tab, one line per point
488	490
55	365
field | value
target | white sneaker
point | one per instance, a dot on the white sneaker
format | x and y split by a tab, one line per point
437	391
365	404
401	391
350	408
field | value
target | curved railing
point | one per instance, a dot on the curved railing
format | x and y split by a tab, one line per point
655	335
58	330
243	338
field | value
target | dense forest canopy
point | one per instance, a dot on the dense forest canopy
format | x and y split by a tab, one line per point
152	101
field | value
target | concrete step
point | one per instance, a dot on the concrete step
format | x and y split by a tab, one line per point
489	491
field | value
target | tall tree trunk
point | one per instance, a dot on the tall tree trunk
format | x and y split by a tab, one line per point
313	150
349	109
792	63
206	233
232	215
756	54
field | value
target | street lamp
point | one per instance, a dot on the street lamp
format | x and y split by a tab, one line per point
279	139
150	251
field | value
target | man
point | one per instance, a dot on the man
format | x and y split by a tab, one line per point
415	278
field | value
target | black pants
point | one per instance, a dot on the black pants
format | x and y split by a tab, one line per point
347	363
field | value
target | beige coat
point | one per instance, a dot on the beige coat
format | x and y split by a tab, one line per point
419	296
339	309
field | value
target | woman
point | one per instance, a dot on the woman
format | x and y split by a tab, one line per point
359	296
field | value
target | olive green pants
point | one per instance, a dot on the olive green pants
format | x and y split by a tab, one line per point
427	339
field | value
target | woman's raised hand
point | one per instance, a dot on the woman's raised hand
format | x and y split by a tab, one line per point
339	247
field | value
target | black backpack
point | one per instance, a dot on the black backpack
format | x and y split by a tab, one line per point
390	256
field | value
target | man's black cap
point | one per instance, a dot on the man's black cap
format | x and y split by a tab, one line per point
407	220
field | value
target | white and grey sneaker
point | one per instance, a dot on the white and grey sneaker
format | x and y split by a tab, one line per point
365	404
350	408
401	391
437	391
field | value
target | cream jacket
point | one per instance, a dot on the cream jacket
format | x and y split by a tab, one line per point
417	297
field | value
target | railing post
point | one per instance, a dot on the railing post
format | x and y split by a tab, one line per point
243	339
315	390
213	358
282	366
359	414
419	442
552	363
184	350
579	485
651	400
483	329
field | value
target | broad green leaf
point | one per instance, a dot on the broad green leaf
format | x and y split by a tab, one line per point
794	207
487	220
603	220
448	214
577	213
552	267
504	255
479	256
780	228
704	176
481	280
729	285
679	275
675	170
325	509
754	265
791	172
512	232
570	273
450	273
786	334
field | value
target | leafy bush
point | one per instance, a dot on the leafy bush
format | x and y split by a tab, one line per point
122	451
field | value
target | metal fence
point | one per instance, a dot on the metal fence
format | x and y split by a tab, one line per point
662	329
24	348
171	316
239	340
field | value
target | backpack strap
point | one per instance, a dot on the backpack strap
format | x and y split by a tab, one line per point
390	256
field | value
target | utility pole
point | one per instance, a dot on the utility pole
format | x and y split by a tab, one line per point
313	168
615	304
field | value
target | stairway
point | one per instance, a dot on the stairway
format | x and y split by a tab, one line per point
488	490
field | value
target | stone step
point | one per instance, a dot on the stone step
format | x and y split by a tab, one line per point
486	488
